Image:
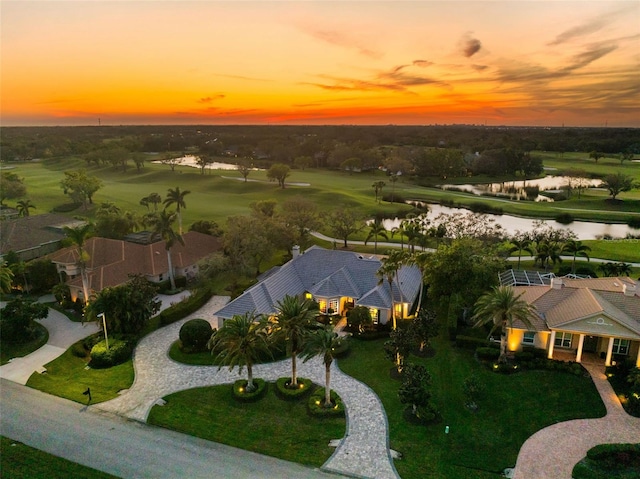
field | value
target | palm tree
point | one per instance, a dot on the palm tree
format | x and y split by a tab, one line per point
377	186
176	197
6	277
292	323
377	229
78	237
162	224
501	307
577	249
241	341
155	199
399	230
323	343
547	251
23	207
388	271
520	245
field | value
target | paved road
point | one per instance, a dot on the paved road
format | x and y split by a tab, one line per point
128	449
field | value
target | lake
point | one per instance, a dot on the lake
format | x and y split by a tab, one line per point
584	229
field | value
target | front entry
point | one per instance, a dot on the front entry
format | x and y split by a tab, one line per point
590	344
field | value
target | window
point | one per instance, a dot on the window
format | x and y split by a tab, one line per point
334	305
374	315
322	304
528	338
620	346
563	340
308	296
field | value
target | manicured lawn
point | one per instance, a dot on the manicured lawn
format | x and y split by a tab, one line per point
626	250
10	350
481	444
216	198
270	426
19	461
204	358
67	377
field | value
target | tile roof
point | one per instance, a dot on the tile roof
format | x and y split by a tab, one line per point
325	273
32	231
112	261
579	299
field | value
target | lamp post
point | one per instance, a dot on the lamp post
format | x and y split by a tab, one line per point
104	326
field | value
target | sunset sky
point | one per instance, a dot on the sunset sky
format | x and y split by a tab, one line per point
543	63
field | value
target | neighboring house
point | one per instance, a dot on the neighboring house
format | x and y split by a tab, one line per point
110	261
598	316
335	280
34	236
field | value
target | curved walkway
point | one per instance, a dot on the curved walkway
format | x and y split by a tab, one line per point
551	453
364	450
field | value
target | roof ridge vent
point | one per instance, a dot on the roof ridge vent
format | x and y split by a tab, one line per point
556	283
629	289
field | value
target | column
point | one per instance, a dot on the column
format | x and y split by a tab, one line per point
552	341
607	361
638	358
579	352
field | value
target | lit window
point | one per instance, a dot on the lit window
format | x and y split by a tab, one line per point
308	296
334	305
322	304
528	338
563	340
620	346
374	315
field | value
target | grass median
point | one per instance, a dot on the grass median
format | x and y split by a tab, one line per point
270	426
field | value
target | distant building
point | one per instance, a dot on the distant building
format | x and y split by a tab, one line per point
34	236
110	261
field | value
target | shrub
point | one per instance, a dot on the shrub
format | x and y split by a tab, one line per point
488	353
317	408
283	391
66	207
90	341
342	348
240	393
564	218
613	456
479	207
164	287
186	306
79	351
393	198
194	335
522	356
634	222
119	351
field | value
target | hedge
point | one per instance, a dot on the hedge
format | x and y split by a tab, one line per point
240	393
316	407
487	353
185	307
119	351
610	461
284	392
342	349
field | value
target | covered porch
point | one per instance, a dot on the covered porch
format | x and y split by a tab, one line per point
583	347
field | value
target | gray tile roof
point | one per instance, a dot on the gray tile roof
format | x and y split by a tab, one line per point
326	273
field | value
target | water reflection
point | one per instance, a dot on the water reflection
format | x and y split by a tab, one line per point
523	189
583	229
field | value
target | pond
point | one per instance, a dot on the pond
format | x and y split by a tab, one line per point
585	230
191	160
518	189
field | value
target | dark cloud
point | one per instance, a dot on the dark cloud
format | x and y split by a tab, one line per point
479	68
422	63
593	25
469	46
210	99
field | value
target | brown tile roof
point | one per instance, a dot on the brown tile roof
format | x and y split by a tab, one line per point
112	261
31	231
580	298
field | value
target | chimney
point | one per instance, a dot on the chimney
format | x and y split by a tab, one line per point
295	252
629	289
556	283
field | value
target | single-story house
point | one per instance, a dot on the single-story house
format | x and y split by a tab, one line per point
110	261
597	316
336	280
32	237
